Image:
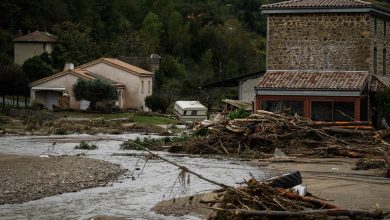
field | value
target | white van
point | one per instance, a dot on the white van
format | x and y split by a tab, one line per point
190	110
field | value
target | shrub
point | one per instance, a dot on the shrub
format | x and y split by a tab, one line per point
157	103
152	143
85	146
239	113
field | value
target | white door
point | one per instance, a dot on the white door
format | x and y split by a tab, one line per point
52	99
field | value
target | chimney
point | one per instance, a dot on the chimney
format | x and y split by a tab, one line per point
68	66
154	62
20	33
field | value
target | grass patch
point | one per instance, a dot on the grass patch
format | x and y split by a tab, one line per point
136	117
89	115
153	120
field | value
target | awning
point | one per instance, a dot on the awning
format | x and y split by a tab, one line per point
37	88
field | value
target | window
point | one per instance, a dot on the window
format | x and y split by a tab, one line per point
343	111
375	61
332	111
375	25
194	112
148	87
142	86
185	112
322	111
288	107
384	28
384	61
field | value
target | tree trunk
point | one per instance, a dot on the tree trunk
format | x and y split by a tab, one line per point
25	101
3	100
17	101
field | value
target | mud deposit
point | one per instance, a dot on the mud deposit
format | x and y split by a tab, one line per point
25	178
147	182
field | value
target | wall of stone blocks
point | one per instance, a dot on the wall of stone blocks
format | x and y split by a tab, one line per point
326	41
380	39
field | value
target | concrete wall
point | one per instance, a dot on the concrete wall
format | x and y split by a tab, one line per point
133	97
66	81
25	50
247	89
326	41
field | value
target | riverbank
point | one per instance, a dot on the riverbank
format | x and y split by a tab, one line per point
26	178
28	122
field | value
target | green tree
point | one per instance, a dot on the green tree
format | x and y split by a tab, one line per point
13	82
150	33
37	67
74	44
94	91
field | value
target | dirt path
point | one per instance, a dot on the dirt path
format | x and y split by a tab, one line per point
25	178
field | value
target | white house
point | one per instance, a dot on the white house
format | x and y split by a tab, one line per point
133	84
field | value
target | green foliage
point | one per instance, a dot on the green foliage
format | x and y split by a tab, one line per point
151	31
239	113
152	143
157	102
199	41
37	67
383	100
13	81
75	44
94	91
85	146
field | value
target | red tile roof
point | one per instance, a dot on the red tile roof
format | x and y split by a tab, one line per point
314	80
318	4
37	36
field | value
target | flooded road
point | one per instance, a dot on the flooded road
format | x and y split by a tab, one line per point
153	180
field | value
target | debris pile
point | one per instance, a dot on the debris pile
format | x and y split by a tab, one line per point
258	200
263	132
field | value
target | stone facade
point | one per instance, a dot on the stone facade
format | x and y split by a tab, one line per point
327	41
380	46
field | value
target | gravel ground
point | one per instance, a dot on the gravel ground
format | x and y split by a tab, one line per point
25	178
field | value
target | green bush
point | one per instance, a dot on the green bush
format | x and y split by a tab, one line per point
157	103
239	113
85	146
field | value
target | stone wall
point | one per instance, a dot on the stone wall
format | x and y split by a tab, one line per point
380	41
326	41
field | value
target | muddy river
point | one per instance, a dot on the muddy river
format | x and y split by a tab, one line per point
131	197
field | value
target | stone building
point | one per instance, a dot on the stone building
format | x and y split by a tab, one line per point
322	56
33	44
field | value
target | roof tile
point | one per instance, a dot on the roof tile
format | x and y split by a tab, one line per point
318	80
37	36
317	4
